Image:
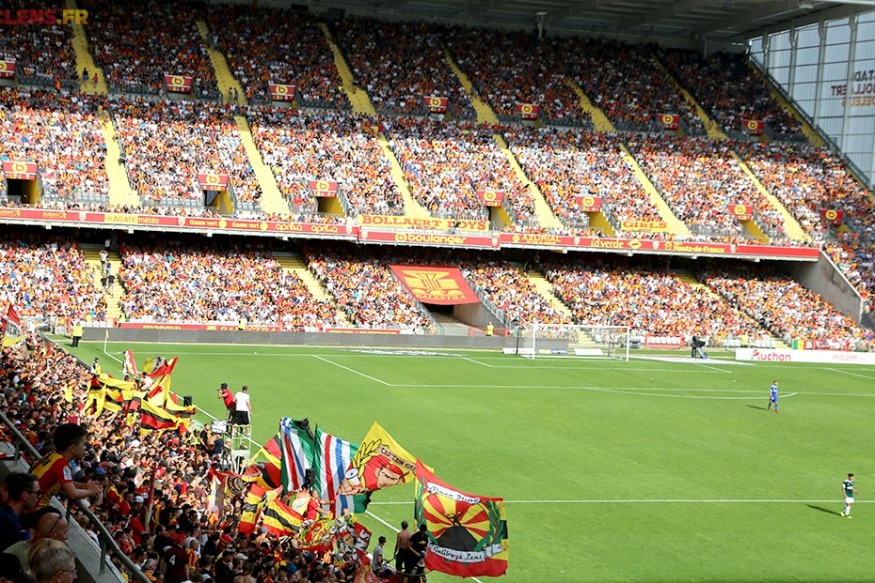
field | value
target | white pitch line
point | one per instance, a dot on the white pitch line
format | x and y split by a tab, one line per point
481	363
853	374
656	501
353	371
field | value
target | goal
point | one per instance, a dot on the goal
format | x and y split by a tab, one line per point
540	340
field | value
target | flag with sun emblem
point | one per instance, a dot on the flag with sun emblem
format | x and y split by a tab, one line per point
467	533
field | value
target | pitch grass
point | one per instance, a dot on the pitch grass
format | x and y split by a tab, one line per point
644	471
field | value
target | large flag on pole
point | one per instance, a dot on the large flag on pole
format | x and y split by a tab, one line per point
13	333
333	457
281	519
297	449
379	463
467	533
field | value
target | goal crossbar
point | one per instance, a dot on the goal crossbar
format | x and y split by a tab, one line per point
542	340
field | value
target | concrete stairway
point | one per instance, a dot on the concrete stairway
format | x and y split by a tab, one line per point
224	77
272	200
792	228
545	288
599	119
809	132
714	131
120	190
543	212
484	112
84	60
114	295
675	225
358	97
295	264
412	208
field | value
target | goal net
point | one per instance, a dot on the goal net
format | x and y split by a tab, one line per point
540	340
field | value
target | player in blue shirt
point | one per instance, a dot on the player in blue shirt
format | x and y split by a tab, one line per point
848	492
773	396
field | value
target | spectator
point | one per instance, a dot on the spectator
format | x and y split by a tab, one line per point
52	560
46	523
21	492
53	470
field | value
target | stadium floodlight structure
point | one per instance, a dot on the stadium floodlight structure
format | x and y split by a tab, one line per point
582	340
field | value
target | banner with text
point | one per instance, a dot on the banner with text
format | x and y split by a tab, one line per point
418	223
491	197
213	182
178	83
649	226
7	69
754	126
821	356
17	170
743	212
527	110
280	92
324	188
590	204
436	104
670	121
445	286
834	217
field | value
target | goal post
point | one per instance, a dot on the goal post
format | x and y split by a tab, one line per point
540	340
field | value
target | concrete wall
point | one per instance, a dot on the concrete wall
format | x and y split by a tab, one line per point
475	314
825	279
301	339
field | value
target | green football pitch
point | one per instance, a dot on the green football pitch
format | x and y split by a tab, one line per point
658	469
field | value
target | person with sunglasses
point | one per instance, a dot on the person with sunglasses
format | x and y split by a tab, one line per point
45	523
21	492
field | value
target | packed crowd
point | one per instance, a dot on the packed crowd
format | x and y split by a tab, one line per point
151	489
855	257
301	146
650	299
136	45
568	165
511	292
781	305
446	163
730	92
507	68
166	144
368	292
399	64
179	283
61	133
285	47
626	83
50	279
701	181
43	53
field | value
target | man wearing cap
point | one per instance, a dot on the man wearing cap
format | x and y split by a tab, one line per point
228	398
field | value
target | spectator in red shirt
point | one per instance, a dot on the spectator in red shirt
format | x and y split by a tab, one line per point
53	470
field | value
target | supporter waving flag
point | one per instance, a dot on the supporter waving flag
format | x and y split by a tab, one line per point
129	365
281	519
297	449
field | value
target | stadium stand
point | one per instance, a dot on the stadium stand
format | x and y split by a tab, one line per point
135	55
400	65
283	47
61	133
303	146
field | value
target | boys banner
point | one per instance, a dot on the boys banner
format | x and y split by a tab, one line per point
467	533
444	286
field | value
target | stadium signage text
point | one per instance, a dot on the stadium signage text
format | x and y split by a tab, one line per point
43	17
369	231
818	356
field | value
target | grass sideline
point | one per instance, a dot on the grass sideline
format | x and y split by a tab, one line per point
652	470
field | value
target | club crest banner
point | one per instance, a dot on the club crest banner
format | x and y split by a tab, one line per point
444	286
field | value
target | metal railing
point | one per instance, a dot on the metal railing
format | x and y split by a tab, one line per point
107	544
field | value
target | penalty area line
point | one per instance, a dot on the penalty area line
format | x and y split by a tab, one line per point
353	371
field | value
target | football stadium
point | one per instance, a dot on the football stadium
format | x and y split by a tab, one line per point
423	290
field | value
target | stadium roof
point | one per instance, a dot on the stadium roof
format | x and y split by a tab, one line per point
723	21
